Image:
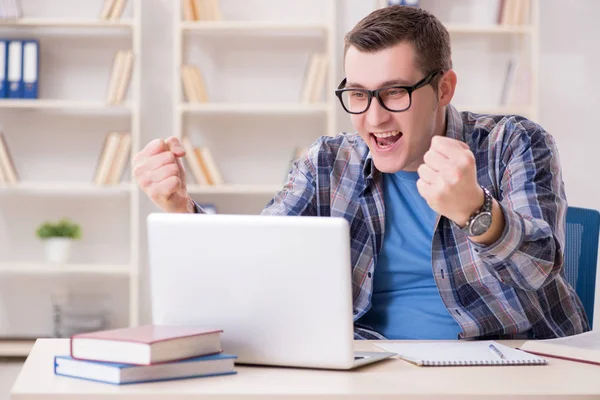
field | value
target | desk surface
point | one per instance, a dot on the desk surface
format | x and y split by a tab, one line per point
392	378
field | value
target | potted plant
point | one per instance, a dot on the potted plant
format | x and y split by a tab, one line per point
58	237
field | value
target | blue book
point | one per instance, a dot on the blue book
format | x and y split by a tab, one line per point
120	374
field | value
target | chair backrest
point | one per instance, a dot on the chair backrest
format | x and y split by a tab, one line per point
581	254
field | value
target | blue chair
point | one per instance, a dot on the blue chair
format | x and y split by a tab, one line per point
581	254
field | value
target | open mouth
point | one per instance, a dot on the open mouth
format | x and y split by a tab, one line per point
386	140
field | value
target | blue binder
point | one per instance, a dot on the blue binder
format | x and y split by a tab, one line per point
15	69
30	69
3	69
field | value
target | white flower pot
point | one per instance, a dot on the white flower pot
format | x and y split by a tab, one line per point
58	250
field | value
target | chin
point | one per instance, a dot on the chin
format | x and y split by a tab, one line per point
387	166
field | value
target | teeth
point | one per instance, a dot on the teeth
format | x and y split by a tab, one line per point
381	135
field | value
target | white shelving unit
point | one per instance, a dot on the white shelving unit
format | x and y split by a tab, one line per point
81	29
188	34
524	38
68	23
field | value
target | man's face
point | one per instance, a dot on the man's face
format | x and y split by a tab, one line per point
397	140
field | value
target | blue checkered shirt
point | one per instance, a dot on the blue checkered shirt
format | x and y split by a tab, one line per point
514	288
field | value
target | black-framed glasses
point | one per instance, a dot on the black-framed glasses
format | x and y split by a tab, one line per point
391	98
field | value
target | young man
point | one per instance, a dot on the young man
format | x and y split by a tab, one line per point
457	219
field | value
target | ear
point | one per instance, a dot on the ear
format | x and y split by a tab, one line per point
446	87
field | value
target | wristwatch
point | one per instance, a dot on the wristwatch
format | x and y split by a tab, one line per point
481	220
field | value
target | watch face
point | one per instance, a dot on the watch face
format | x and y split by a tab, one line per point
481	223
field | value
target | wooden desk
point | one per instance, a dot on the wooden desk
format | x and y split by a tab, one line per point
388	379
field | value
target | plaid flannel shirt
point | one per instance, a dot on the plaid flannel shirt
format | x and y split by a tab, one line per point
514	288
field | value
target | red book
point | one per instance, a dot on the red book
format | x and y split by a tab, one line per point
146	344
583	347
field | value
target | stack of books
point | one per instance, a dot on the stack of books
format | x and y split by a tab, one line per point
113	158
202	163
120	77
146	353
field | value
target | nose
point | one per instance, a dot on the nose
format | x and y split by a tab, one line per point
376	114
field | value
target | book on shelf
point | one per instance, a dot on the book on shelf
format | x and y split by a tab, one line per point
10	9
121	374
315	76
146	344
112	10
583	347
8	172
516	89
514	12
113	158
120	77
201	10
201	163
194	86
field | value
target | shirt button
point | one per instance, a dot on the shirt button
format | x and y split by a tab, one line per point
476	250
369	274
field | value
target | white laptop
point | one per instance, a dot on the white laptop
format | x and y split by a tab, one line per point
279	287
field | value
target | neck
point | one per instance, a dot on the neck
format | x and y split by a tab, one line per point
441	122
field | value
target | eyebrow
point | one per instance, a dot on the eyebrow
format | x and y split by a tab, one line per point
391	82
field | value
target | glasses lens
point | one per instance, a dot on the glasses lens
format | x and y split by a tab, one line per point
355	101
395	99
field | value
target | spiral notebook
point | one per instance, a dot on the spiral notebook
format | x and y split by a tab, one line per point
461	353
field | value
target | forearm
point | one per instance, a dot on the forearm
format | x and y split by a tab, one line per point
526	254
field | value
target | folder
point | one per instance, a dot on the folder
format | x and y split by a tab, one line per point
3	69
30	69
15	69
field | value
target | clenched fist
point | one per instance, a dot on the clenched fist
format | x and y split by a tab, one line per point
159	172
448	180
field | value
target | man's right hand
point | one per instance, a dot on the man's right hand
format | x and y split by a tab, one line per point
159	172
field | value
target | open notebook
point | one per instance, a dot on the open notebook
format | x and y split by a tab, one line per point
461	353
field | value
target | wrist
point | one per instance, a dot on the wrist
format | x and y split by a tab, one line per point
473	208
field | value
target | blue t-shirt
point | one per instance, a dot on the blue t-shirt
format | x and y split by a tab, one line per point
406	303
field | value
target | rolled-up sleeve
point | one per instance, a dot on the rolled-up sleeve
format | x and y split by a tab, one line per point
529	253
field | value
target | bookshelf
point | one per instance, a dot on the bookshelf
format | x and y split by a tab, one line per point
225	116
471	22
65	126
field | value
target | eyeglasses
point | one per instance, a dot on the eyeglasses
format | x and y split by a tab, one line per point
392	98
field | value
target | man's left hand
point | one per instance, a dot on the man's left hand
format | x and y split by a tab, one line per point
448	180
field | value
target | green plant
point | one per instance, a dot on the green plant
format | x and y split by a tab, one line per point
62	228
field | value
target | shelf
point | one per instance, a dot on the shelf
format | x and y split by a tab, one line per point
249	27
16	347
66	188
20	268
66	23
259	109
488	29
49	104
234	189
